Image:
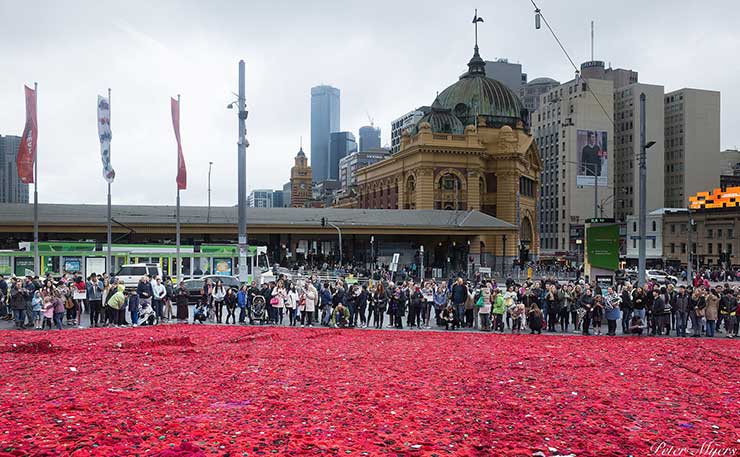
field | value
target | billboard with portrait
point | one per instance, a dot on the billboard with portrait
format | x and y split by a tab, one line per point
592	157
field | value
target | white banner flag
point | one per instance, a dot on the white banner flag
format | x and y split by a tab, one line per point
104	133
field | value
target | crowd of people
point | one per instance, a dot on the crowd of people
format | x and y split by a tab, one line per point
534	306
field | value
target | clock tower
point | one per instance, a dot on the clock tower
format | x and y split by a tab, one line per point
300	181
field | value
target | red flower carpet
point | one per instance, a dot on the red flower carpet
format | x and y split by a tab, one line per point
185	390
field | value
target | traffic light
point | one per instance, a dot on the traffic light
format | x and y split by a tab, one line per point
323	222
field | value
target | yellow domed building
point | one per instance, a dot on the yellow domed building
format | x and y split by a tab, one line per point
472	151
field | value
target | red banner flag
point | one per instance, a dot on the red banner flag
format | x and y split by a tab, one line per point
27	150
182	173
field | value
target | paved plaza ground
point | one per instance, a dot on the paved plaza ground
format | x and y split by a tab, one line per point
228	390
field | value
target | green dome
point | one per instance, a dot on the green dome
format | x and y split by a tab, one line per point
442	120
475	94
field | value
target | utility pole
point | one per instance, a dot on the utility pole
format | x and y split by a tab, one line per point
421	261
242	165
643	196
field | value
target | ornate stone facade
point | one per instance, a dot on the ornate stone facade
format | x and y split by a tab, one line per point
493	166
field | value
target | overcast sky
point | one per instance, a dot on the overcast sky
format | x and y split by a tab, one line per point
387	57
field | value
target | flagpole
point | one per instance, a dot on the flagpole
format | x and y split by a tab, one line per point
178	270
36	260
109	259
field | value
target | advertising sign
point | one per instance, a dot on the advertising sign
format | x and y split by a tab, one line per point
23	265
72	264
592	157
602	246
222	266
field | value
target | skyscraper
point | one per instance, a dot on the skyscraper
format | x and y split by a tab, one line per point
12	190
341	144
324	121
693	161
369	138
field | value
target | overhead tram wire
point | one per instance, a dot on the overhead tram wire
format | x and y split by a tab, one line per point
537	10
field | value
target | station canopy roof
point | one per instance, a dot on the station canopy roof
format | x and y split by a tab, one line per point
70	214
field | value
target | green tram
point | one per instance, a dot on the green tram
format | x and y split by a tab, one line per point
86	258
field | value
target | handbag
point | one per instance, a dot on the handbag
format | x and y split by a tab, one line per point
69	304
479	303
274	301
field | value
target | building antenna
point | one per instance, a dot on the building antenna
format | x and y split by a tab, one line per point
301	142
592	41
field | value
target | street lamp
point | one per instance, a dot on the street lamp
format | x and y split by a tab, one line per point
208	217
242	145
642	260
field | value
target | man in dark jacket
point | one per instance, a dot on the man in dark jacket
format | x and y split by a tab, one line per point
660	318
626	306
459	295
586	303
728	310
680	307
18	297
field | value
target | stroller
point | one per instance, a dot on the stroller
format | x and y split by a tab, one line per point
147	316
201	313
258	313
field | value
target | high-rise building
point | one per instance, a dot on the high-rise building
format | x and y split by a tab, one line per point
260	198
277	199
300	181
693	161
573	128
369	138
627	149
287	190
324	121
508	73
531	92
12	190
404	122
349	165
341	144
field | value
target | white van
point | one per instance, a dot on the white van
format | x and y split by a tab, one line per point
130	274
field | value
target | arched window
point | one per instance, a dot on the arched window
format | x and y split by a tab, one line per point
411	184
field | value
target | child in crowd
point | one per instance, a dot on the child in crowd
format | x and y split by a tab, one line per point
36	304
48	311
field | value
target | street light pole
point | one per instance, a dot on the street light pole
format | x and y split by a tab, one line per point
642	263
421	261
339	231
208	217
242	164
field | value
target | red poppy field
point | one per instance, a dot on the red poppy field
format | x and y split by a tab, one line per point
207	390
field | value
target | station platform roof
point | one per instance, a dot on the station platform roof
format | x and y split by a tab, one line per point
158	219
